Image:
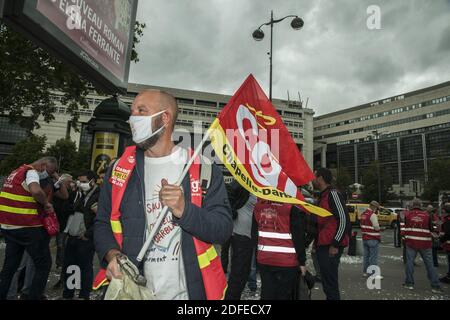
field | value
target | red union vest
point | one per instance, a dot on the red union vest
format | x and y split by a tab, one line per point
17	206
214	280
416	230
275	246
367	229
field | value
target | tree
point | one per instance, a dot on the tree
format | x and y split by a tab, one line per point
82	160
70	159
343	179
29	74
370	182
24	152
438	179
65	151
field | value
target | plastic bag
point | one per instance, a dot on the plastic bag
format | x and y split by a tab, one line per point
131	287
50	223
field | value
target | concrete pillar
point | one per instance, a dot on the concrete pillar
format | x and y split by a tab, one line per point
323	159
425	158
399	159
355	150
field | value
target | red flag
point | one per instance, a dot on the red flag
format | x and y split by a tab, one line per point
251	140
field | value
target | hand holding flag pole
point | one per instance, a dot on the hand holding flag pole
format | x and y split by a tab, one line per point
163	213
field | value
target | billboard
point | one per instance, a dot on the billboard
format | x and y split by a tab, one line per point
96	36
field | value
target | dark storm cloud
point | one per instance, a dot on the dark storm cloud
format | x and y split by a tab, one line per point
335	59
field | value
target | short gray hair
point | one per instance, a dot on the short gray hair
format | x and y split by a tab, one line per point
50	160
416	203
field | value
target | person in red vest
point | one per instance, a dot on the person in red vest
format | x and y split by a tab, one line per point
333	232
181	262
432	212
22	204
416	232
445	238
280	230
371	235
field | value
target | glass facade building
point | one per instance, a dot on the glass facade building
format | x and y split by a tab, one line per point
405	134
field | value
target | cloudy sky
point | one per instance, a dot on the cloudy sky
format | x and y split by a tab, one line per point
335	60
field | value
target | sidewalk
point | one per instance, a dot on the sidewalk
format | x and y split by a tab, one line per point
352	283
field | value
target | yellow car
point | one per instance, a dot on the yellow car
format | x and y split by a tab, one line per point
355	210
387	217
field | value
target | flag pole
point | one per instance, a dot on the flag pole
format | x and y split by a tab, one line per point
163	213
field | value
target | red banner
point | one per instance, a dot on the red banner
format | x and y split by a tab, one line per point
251	140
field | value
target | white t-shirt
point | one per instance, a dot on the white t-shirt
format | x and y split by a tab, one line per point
32	176
163	268
244	220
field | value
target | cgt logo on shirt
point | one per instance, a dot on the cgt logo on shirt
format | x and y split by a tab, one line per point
195	186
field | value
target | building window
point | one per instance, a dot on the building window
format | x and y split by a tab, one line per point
392	170
387	151
189	102
206	103
85	136
411	148
347	159
438	144
11	133
366	154
412	170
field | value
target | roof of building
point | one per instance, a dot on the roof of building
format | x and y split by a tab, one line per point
134	88
366	105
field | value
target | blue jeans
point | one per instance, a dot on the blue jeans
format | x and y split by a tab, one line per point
427	258
370	254
35	241
329	271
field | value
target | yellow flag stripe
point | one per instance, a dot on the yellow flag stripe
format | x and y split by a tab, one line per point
101	284
219	142
205	259
116	226
16	197
18	210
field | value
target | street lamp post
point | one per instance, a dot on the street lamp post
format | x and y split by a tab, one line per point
297	23
376	135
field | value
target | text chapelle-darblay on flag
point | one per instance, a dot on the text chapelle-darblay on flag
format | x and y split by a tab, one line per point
249	137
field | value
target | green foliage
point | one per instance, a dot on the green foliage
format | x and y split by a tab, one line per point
343	179
438	179
82	161
138	33
27	151
24	152
370	182
64	150
69	158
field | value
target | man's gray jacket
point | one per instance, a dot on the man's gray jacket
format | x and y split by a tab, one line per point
212	223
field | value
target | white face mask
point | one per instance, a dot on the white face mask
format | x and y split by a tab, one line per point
84	186
141	127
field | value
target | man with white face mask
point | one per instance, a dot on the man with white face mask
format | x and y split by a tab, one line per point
79	249
173	267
